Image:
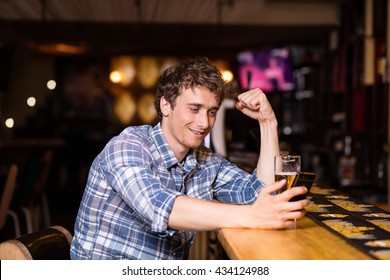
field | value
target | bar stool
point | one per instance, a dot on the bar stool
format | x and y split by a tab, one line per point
51	243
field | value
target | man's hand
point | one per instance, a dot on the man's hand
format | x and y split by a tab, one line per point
274	211
255	105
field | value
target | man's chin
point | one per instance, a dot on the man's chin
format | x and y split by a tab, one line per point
196	145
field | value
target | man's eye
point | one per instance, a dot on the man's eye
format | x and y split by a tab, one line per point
212	113
194	109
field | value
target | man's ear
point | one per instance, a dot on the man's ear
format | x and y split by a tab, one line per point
165	107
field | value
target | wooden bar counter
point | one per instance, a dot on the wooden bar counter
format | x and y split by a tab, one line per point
309	241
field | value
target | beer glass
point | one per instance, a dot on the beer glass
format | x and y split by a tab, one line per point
287	167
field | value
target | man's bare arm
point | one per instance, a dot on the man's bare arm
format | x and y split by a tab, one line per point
267	212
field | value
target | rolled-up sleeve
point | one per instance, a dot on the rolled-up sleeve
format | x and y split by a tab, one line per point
134	175
234	185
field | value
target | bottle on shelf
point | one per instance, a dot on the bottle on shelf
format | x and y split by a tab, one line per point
347	164
382	65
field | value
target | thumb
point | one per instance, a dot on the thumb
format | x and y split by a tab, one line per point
239	106
246	111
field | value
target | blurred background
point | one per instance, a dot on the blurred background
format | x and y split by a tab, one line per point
75	73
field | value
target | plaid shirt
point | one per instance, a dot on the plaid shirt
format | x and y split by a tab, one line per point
131	189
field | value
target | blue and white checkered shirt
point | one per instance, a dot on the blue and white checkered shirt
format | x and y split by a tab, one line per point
131	188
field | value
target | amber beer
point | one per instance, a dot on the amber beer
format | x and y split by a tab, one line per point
287	167
289	176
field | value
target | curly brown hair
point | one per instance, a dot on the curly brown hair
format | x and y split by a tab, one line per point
190	73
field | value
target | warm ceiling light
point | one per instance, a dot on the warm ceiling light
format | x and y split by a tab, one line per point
223	66
116	77
227	75
125	65
51	84
31	101
9	123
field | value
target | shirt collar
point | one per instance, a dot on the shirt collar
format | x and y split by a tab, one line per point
163	147
167	153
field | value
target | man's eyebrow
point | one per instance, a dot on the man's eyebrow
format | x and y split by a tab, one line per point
195	104
201	105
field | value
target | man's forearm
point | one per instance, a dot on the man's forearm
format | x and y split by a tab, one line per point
269	147
193	214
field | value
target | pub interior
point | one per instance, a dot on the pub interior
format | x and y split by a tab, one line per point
73	75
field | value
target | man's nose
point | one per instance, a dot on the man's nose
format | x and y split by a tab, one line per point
203	120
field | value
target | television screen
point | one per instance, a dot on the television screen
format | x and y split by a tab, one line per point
269	70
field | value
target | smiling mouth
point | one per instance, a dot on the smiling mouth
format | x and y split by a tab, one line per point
199	133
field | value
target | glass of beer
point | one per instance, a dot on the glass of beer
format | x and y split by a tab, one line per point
287	167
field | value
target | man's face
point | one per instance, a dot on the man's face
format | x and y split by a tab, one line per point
187	124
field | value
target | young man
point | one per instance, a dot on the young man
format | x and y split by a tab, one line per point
152	188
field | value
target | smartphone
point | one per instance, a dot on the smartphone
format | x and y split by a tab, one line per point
303	179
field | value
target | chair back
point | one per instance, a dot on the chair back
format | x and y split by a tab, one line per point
51	243
8	192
